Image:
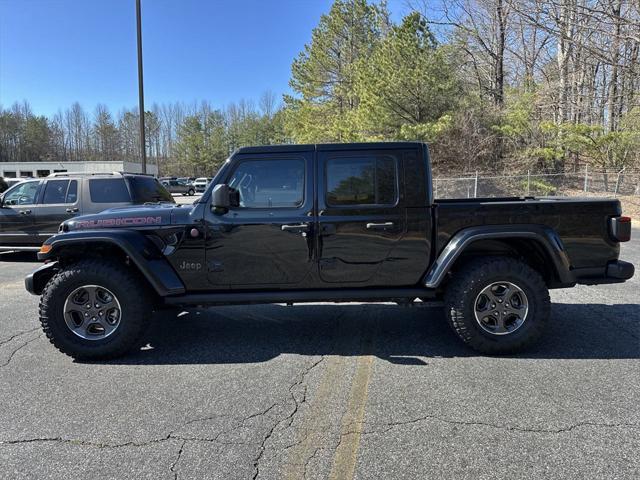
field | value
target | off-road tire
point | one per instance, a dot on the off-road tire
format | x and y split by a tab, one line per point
471	279
135	300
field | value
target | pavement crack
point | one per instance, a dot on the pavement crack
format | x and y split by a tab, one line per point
84	443
13	353
308	461
7	340
175	462
359	428
300	381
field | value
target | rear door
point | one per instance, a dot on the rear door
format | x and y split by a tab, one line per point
59	201
362	219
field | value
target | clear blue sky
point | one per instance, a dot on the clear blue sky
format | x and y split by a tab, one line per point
55	52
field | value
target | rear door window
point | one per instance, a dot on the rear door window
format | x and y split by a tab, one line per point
108	190
148	190
361	180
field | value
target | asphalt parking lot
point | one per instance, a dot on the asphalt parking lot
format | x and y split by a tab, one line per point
325	391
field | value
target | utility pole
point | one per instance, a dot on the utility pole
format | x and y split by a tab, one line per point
143	143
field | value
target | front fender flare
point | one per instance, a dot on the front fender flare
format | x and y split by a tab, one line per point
141	251
544	235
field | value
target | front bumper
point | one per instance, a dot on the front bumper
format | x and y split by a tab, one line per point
35	282
617	271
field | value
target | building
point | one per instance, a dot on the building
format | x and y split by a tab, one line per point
42	169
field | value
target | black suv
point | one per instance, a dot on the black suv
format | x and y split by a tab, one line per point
32	210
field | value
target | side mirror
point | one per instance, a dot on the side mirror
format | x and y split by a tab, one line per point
223	197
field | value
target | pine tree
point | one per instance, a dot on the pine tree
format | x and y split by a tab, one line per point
323	75
407	87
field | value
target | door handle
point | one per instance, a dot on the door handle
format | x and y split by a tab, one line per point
380	226
72	210
302	227
25	212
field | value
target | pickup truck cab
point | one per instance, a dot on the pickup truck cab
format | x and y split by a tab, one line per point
326	223
31	211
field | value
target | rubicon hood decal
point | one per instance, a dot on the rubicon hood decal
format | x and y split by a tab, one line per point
120	218
117	222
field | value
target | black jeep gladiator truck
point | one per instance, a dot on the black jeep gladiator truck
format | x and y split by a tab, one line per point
326	223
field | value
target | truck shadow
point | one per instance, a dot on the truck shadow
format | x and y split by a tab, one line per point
400	335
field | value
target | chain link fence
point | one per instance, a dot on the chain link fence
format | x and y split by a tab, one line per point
610	183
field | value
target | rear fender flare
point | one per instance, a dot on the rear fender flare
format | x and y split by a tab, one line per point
545	236
144	254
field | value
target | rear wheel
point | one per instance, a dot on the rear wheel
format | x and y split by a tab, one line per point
497	305
192	192
95	310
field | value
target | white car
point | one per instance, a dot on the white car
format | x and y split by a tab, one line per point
201	184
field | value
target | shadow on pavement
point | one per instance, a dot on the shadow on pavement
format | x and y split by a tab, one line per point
400	335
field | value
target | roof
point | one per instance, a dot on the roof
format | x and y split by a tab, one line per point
329	147
97	174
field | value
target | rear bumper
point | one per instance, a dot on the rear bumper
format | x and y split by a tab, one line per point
617	271
620	270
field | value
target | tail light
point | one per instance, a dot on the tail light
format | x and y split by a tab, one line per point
620	228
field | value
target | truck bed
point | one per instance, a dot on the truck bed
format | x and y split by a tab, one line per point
582	223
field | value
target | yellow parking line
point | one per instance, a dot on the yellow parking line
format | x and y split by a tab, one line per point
346	455
313	431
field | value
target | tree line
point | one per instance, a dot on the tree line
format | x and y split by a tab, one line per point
490	84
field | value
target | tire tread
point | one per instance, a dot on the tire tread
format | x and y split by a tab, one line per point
473	274
137	316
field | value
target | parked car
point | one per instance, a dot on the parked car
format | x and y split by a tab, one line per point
327	223
32	210
201	184
179	186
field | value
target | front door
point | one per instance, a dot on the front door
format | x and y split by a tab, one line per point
59	201
268	239
17	225
361	217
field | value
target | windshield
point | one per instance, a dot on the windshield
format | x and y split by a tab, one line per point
148	190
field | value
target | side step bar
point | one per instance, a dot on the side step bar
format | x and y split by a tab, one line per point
334	295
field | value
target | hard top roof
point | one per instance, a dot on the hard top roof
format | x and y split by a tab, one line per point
329	147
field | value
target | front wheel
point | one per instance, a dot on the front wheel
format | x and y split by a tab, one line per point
192	192
497	305
95	309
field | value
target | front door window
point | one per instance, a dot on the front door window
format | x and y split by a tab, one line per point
269	183
22	194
